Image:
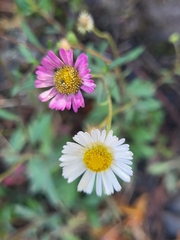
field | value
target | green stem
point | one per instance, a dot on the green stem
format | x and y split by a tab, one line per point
121	109
93	53
109	101
109	105
109	38
177	61
115	52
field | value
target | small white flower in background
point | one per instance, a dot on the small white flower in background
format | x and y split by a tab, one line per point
85	23
63	43
99	156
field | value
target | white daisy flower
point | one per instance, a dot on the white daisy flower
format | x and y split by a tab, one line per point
97	156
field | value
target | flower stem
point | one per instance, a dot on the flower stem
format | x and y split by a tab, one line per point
109	38
115	51
109	118
93	53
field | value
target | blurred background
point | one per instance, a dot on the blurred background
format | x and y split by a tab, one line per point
35	201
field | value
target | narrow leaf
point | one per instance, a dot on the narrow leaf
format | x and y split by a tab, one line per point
8	115
26	53
30	35
129	57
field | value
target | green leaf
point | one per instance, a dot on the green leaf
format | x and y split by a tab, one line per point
18	140
8	115
139	88
129	57
53	222
148	105
70	236
30	35
41	179
46	5
159	168
113	87
25	212
97	115
171	181
67	192
142	135
39	127
27	54
25	86
24	7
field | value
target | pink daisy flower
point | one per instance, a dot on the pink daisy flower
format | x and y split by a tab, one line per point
65	78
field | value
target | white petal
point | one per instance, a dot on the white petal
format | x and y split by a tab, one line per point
68	158
108	189
125	161
79	139
95	135
69	163
124	156
86	137
124	167
114	180
112	142
103	136
99	184
75	174
90	185
120	173
124	147
120	142
73	145
109	137
82	186
69	170
73	152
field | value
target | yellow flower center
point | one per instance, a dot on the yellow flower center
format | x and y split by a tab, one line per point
98	158
67	80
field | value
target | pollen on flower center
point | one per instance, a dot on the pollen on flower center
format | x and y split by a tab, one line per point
67	80
98	158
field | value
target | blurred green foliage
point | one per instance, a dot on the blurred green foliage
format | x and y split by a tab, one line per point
45	201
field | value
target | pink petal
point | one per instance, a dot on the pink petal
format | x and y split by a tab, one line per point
52	103
45	78
44	74
77	101
83	66
47	63
87	89
81	60
69	54
45	70
81	99
50	61
54	58
61	103
68	102
63	55
83	72
87	76
75	108
43	84
89	83
45	96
